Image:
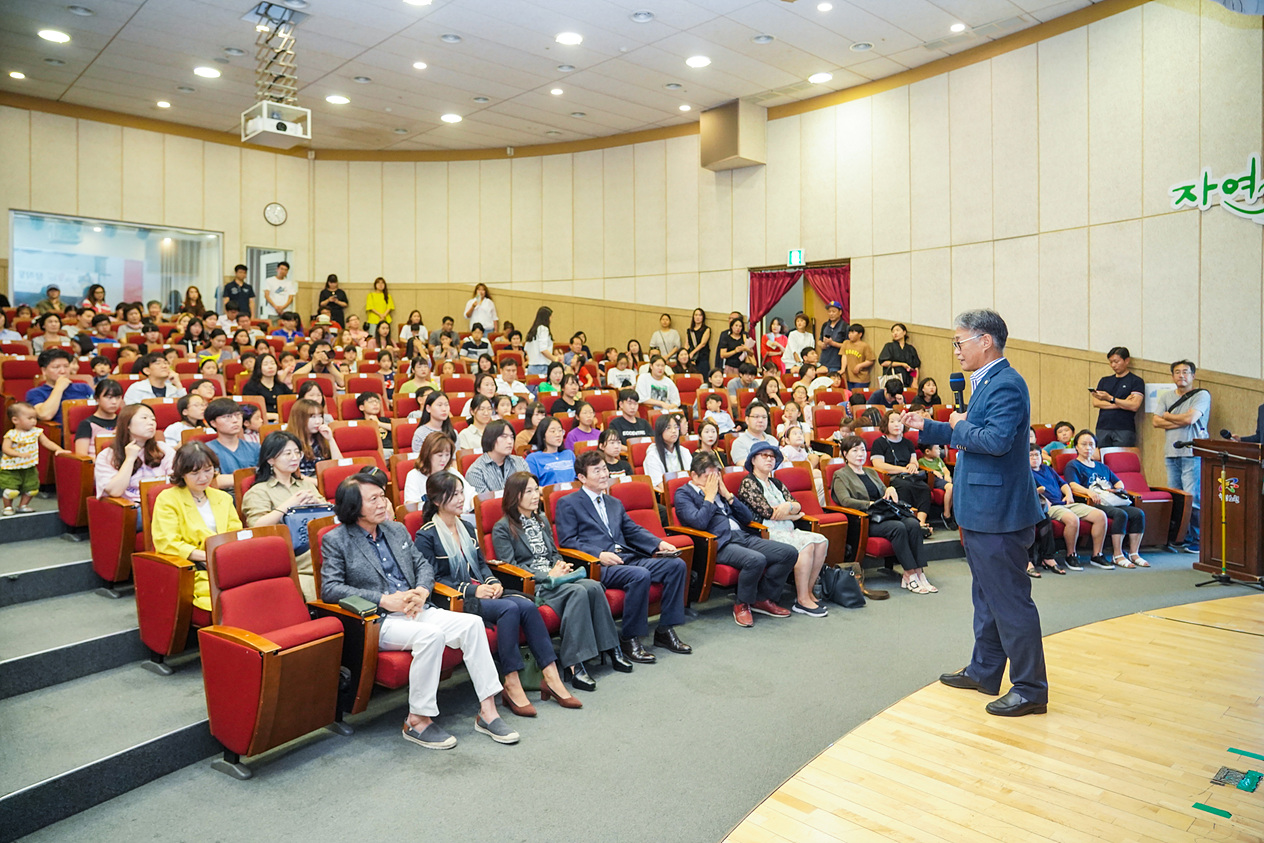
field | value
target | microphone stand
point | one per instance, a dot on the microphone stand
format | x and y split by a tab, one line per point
1223	577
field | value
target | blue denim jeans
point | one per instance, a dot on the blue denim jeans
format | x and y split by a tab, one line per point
1183	474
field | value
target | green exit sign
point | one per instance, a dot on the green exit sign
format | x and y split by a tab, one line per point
795	258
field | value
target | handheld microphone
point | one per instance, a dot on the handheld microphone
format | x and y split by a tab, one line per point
957	382
1225	434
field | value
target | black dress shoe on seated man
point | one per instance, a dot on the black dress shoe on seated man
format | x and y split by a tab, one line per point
667	638
617	660
634	651
961	679
580	680
1013	705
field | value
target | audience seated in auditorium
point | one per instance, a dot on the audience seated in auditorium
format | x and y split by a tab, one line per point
666	454
757	419
224	416
584	429
610	446
1063	507
629	424
489	472
550	462
896	457
138	453
1086	476
435	417
109	397
55	367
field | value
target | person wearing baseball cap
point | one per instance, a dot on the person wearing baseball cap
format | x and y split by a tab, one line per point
51	303
833	335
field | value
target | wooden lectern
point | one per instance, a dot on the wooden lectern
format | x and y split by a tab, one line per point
1242	552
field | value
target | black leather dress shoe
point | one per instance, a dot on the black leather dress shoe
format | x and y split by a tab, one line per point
669	640
1013	705
617	660
579	678
961	679
633	650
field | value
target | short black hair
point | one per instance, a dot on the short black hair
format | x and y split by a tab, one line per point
243	266
757	405
1120	351
747	369
98	360
48	355
221	407
1193	370
99	318
364	397
477	326
587	460
629	395
285	264
857	327
446	319
146	361
493	431
1061	425
192	456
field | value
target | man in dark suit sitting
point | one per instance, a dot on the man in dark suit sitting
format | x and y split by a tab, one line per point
705	503
596	523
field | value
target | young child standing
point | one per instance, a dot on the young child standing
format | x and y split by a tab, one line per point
19	472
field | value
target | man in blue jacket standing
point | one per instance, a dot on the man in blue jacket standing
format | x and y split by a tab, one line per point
997	510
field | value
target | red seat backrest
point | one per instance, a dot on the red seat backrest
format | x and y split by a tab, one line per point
458	400
637	446
326	383
833	398
1061	458
255	582
827	420
19	374
637	496
671	482
467	460
405	404
457	383
553	494
73	413
870	436
602	399
413	522
1044	434
1127	466
329	473
799	481
827	476
164	411
366	383
702	399
488	510
733	476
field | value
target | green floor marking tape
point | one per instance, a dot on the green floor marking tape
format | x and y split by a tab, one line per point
1247	754
1200	806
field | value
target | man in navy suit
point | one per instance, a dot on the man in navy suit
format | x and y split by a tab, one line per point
596	523
706	504
997	510
1258	436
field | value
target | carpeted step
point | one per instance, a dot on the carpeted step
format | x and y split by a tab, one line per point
44	567
43	523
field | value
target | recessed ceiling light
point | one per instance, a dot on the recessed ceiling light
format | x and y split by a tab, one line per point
234	51
163	104
957	27
419	65
820	78
674	86
697	61
557	92
686	108
824	7
642	16
419	2
55	62
401	131
579	114
861	47
166	241
482	99
451	118
450	38
362	80
54	36
295	4
185	89
262	27
553	133
220	60
206	72
337	99
569	39
17	74
81	11
763	39
97	229
566	68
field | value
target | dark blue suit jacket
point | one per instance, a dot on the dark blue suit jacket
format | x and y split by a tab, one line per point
1258	437
693	510
995	492
580	527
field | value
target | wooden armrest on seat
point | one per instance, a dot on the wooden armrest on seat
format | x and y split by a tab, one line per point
244	637
525	578
578	557
359	653
705	540
456	603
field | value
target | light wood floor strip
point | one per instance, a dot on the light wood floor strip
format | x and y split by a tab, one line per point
1143	709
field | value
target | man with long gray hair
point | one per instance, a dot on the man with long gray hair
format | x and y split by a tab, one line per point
997	510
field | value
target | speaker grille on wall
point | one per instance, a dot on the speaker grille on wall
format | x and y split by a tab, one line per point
733	135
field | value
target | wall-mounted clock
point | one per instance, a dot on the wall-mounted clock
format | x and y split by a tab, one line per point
274	212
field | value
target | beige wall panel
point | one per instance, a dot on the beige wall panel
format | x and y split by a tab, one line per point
681	173
258	188
548	289
650	208
142	174
531	287
1016	268
652	290
182	180
221	200
1230	296
930	210
15	178
1170	286
589	210
854	132
892	287
1114	286
1114	114
972	277
464	235
619	288
557	199
331	249
619	211
716	298
1064	383
818	183
527	220
1230	76
750	211
1063	104
1027	364
495	229
1064	288
715	219
931	272
1015	144
680	163
100	170
54	157
682	292
891	172
293	191
862	292
970	100
1170	107
782	190
432	223
739	286
399	226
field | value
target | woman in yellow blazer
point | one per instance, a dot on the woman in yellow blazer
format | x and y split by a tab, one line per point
379	306
191	511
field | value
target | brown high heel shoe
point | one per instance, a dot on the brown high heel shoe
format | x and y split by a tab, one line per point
565	702
527	710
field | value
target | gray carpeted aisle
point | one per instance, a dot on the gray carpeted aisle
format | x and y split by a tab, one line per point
678	751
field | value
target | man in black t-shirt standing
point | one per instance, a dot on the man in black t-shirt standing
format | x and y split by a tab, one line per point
238	294
1118	397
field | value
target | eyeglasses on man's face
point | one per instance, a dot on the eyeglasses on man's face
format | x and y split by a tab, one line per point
957	343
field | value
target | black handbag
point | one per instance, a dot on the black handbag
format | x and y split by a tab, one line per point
840	586
885	509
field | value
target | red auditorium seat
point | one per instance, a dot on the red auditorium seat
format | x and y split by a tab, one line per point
832	525
865	544
359	439
1167	510
487	511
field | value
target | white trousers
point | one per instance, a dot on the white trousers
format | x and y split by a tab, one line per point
425	636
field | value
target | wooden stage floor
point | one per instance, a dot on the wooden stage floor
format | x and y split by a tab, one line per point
1143	711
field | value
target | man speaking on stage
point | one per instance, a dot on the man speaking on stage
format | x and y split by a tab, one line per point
996	508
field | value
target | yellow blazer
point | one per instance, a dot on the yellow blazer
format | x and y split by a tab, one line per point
179	529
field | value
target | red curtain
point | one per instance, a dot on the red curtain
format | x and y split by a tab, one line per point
832	283
767	288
